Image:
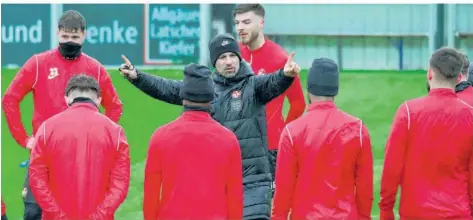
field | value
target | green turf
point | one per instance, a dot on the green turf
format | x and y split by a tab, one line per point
373	97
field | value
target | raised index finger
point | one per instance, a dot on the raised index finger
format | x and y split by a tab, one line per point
127	61
290	58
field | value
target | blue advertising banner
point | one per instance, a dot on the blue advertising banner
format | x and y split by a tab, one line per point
172	34
26	30
111	33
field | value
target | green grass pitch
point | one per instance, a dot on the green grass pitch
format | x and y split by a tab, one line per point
371	96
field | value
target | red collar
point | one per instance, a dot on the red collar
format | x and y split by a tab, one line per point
442	92
322	105
87	105
195	115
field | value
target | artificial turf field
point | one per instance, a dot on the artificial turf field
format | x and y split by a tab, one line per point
372	96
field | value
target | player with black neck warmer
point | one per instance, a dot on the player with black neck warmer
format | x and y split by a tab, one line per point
47	73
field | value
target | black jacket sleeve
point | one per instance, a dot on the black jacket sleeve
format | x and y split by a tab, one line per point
159	88
270	86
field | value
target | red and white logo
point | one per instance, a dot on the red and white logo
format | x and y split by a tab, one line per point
261	71
236	94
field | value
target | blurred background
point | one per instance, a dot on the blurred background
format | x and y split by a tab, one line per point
382	50
369	36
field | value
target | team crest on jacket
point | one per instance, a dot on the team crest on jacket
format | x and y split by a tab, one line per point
261	71
53	73
236	94
235	103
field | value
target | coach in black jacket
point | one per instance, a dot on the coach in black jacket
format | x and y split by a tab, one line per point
240	99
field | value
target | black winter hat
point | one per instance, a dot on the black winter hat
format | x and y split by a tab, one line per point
323	78
223	43
198	85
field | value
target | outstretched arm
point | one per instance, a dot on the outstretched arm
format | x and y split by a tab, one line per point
268	87
157	87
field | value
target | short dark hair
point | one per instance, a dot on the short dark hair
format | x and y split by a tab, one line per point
71	21
466	64
83	83
447	62
258	9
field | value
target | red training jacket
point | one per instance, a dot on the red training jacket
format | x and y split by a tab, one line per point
193	171
429	154
80	165
268	59
466	95
324	167
46	75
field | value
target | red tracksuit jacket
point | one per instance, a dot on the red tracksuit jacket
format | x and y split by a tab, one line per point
466	95
268	59
80	165
46	75
429	154
324	167
193	171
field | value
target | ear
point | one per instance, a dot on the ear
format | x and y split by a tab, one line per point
98	101
429	74
460	77
261	24
67	100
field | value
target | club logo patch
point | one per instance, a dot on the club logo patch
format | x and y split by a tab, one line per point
236	94
261	71
236	103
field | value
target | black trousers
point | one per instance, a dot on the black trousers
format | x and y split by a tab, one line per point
273	155
32	209
4	217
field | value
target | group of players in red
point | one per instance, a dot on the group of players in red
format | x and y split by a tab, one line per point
324	169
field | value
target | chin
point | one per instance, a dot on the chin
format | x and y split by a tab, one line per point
229	75
244	41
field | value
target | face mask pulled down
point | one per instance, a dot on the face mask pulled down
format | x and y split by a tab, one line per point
70	50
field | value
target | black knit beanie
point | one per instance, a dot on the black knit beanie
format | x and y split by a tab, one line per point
223	43
323	78
198	85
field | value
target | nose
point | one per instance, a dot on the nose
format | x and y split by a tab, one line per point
228	61
239	26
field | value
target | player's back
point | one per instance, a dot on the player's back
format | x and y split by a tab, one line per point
82	145
327	142
51	73
438	150
195	167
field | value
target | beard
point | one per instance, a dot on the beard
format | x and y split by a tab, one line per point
251	37
228	74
